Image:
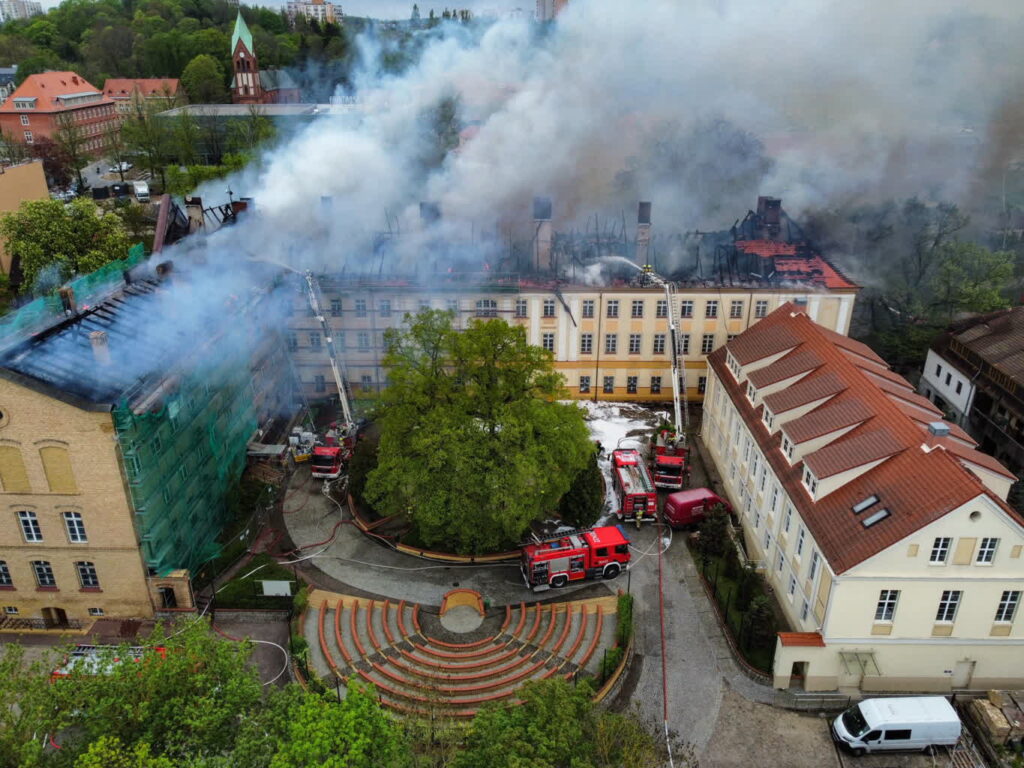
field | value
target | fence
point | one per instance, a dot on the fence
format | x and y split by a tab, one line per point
8	624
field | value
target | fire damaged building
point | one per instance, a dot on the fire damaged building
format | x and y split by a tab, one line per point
120	439
609	337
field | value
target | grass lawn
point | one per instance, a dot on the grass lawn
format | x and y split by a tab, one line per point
244	592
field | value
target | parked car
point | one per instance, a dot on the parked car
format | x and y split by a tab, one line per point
63	194
125	166
901	723
142	191
691	506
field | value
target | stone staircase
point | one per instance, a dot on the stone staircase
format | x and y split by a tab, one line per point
382	642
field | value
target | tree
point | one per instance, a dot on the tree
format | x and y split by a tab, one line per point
117	149
971	278
27	712
760	621
56	164
584	502
203	80
13	151
248	134
71	140
714	532
186	138
109	752
474	445
148	137
74	239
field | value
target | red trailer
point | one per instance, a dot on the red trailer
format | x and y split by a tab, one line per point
670	464
574	556
634	488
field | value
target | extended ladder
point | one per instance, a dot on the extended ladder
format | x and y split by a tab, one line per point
316	304
679	402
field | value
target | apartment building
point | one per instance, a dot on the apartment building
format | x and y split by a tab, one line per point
882	530
44	104
320	11
19	9
610	343
120	441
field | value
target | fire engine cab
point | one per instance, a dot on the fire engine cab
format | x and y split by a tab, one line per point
670	465
326	462
575	555
634	488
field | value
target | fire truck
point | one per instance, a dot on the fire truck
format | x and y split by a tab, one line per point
634	488
98	659
575	555
670	463
329	459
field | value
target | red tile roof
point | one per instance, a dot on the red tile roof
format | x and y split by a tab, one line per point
46	87
753	345
786	367
803	392
917	486
122	87
827	419
802	639
971	456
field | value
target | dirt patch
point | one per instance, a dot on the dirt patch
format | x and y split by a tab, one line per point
748	734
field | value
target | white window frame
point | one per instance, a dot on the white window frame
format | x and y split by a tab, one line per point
31	531
75	527
788	519
736	309
24	120
787	448
548	308
611	309
584	384
810	482
949	606
791	587
1006	611
636	341
636	310
711	309
987	551
707	343
87	576
43	572
812	569
940	550
751	393
588	308
661	308
586	343
885	609
686	308
761	308
5	575
659	344
547	341
611	344
805	611
769	419
800	538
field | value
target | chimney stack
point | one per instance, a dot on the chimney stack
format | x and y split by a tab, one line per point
542	233
769	217
67	300
194	212
643	234
100	347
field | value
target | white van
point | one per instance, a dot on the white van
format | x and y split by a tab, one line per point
142	191
912	722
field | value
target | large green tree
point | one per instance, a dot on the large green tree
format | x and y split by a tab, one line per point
474	443
203	80
971	278
73	239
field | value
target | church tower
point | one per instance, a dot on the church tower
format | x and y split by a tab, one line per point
245	85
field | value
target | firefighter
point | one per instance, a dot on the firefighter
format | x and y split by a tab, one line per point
600	449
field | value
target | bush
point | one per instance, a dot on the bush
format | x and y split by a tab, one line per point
241	592
624	630
760	621
731	561
364	461
609	662
746	586
299	646
583	503
714	536
301	600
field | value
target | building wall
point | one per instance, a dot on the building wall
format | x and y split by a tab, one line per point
91	120
913	651
947	387
90	485
17	184
359	331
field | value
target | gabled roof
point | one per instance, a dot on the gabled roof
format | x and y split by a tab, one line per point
827	419
754	345
786	367
919	478
48	88
241	32
148	87
997	338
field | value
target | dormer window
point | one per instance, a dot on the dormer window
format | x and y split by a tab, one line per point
787	448
810	481
733	365
769	419
751	393
24	103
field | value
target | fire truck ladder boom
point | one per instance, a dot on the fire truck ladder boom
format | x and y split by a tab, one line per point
682	416
313	289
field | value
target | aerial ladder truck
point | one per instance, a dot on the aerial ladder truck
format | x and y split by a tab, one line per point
670	463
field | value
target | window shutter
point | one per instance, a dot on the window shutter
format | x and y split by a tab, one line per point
57	466
964	551
12	470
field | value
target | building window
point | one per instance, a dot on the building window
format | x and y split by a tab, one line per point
813	571
736	309
611	343
314	339
30	527
810	481
757	518
788	519
787	448
634	343
655	385
659	343
707	343
769	419
949	378
547	341
366	381
360	307
588	307
702	385
940	550
948	605
584	384
938	370
609	385
363	338
886	607
293	341
76	528
28	137
520	307
767	540
711	309
805	611
764	478
11	610
87	575
987	551
631	385
661	308
5	575
484	308
453	305
637	309
684	344
319	384
760	308
780	562
612	308
586	343
95	611
800	536
43	573
959	387
335	307
549	307
24	119
791	589
686	308
1008	605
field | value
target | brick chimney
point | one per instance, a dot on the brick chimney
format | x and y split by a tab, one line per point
542	234
67	300
643	234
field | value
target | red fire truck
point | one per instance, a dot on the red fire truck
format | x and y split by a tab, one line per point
575	555
98	659
670	464
326	462
638	500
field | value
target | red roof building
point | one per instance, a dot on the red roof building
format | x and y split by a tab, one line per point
45	103
133	94
854	491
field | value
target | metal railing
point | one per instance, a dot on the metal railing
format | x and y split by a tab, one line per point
13	624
